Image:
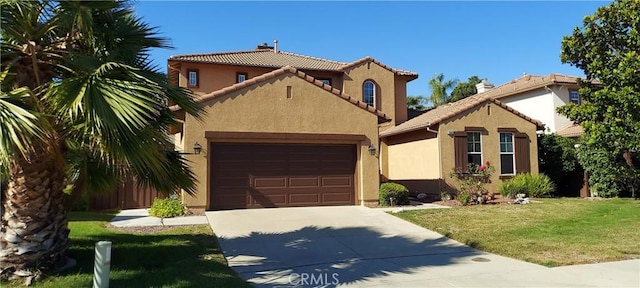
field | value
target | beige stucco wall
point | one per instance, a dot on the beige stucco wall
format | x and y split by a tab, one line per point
401	100
478	116
414	160
214	77
354	79
266	108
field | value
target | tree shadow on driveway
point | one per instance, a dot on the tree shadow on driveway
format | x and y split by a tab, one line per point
325	256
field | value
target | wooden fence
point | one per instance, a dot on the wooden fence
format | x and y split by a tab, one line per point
127	196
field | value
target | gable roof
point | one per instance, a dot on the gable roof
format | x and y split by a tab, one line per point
528	83
574	130
447	111
285	70
370	59
269	58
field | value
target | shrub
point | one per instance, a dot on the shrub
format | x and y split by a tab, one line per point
531	185
398	192
166	208
512	187
464	197
540	185
472	182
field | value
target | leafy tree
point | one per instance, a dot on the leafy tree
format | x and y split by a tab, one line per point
558	160
606	48
416	103
465	89
82	107
440	88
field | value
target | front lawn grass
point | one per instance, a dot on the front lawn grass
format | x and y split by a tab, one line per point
186	256
551	232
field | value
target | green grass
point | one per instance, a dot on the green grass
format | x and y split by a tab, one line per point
551	232
181	257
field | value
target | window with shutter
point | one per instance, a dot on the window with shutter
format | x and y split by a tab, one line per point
506	154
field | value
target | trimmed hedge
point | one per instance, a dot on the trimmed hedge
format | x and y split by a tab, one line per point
398	192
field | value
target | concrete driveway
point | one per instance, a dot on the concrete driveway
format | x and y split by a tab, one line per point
356	246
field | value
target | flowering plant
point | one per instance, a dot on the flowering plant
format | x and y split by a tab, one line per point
472	182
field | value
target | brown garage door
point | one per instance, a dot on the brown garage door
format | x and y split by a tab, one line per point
281	175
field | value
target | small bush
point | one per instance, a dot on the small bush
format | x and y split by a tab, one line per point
512	187
464	197
166	208
531	185
398	192
540	185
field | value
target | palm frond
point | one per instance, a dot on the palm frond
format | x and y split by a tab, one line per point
18	126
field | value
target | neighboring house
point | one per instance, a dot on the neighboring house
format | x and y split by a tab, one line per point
422	152
537	97
282	129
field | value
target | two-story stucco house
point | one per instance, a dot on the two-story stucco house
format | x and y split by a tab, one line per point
539	97
282	129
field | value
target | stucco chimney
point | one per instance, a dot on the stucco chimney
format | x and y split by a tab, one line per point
483	86
275	46
264	46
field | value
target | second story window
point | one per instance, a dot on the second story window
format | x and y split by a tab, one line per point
369	93
474	148
192	78
574	97
241	77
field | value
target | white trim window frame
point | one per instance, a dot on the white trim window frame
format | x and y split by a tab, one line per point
574	97
474	147
507	150
369	91
193	78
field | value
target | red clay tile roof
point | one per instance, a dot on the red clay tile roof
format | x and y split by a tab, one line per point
268	58
528	83
370	59
296	72
262	58
449	110
575	130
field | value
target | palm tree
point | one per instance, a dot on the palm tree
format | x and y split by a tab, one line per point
81	108
439	89
416	102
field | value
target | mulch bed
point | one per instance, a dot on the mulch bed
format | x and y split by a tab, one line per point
145	229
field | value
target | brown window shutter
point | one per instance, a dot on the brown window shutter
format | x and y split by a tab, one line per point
460	150
522	153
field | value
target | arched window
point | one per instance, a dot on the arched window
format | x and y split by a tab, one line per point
369	93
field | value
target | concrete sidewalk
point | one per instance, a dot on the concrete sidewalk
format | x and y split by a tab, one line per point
140	217
352	246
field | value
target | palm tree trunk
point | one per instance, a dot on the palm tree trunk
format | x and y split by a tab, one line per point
34	233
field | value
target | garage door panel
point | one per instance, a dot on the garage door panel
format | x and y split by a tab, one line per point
337	181
301	199
269	182
330	198
303	182
281	175
269	199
